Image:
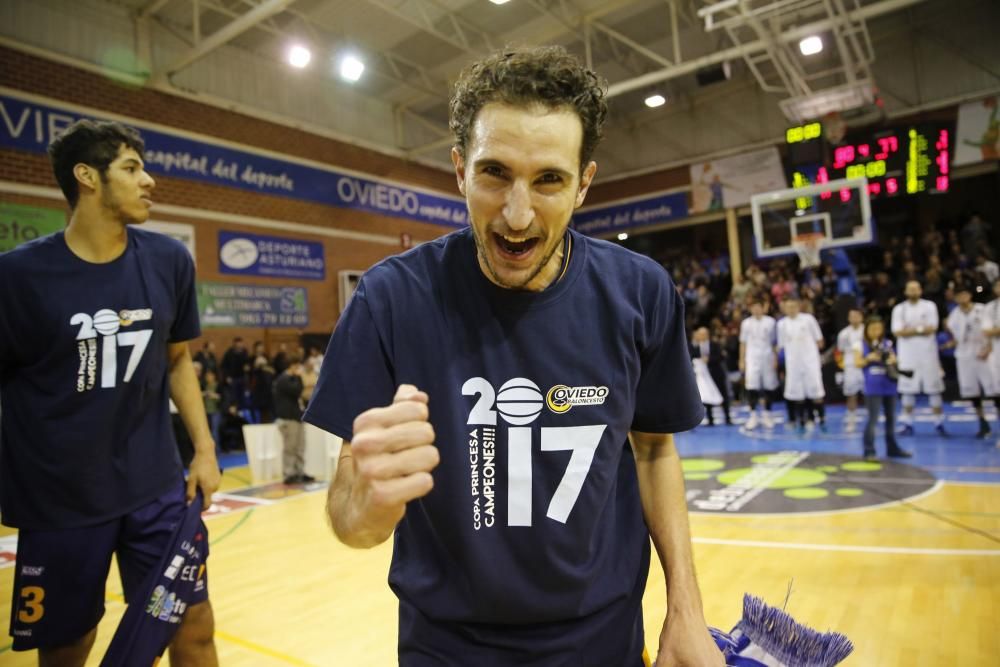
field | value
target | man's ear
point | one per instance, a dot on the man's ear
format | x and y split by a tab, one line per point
586	178
86	176
459	162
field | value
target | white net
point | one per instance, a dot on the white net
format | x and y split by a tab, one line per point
808	247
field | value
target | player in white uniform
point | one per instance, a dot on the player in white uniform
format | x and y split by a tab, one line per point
849	342
915	325
800	337
991	329
758	363
972	349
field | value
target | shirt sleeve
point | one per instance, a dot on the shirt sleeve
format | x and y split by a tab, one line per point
896	323
186	324
933	311
357	372
779	335
816	331
744	333
950	320
667	398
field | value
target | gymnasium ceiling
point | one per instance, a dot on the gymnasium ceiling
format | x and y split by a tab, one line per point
915	54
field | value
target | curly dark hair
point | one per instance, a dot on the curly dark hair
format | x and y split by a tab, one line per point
545	75
94	143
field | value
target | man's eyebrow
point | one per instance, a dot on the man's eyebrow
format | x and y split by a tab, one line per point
132	160
493	162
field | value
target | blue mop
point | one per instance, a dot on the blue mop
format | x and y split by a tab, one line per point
769	637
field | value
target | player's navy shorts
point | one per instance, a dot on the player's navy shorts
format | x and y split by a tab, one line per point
61	574
611	637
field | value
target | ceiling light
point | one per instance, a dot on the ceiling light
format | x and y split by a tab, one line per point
811	45
299	56
654	101
351	68
499	2
623	236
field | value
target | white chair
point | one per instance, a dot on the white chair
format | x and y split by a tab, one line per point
320	446
264	450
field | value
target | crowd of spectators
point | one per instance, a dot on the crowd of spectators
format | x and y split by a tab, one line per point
939	258
238	389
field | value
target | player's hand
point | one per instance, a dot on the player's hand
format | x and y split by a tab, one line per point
203	473
394	454
686	642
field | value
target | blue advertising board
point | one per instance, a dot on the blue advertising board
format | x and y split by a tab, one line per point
255	255
28	124
628	214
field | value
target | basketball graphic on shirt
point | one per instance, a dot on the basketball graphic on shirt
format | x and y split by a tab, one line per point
106	322
519	401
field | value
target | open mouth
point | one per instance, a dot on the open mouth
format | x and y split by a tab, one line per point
513	247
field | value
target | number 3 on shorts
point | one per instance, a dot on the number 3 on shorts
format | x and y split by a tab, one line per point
31	609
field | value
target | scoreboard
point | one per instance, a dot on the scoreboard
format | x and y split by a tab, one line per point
898	161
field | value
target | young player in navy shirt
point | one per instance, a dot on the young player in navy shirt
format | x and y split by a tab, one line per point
92	344
508	393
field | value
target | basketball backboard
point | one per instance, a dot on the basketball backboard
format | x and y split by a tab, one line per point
839	210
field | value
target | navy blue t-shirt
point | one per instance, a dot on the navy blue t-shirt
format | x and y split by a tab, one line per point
535	515
85	430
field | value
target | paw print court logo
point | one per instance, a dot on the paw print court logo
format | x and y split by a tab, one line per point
790	482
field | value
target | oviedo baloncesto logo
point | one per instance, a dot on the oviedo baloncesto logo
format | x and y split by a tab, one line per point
561	398
796	481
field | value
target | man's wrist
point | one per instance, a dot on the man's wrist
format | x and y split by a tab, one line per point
204	446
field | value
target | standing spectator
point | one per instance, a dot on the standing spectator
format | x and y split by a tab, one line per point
206	357
849	342
987	267
975	235
315	360
800	338
261	395
288	408
280	360
234	362
234	369
702	305
967	324
710	352
991	329
876	358
213	403
758	363
915	324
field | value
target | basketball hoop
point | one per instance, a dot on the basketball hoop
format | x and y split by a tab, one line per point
808	247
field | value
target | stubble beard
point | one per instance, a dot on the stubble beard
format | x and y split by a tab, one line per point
485	259
116	211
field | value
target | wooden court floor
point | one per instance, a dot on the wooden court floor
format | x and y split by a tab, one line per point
916	583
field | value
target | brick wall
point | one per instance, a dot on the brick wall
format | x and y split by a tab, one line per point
35	75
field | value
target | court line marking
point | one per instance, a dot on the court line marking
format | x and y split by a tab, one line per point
964	483
919	551
233	639
245	499
258	648
232	529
